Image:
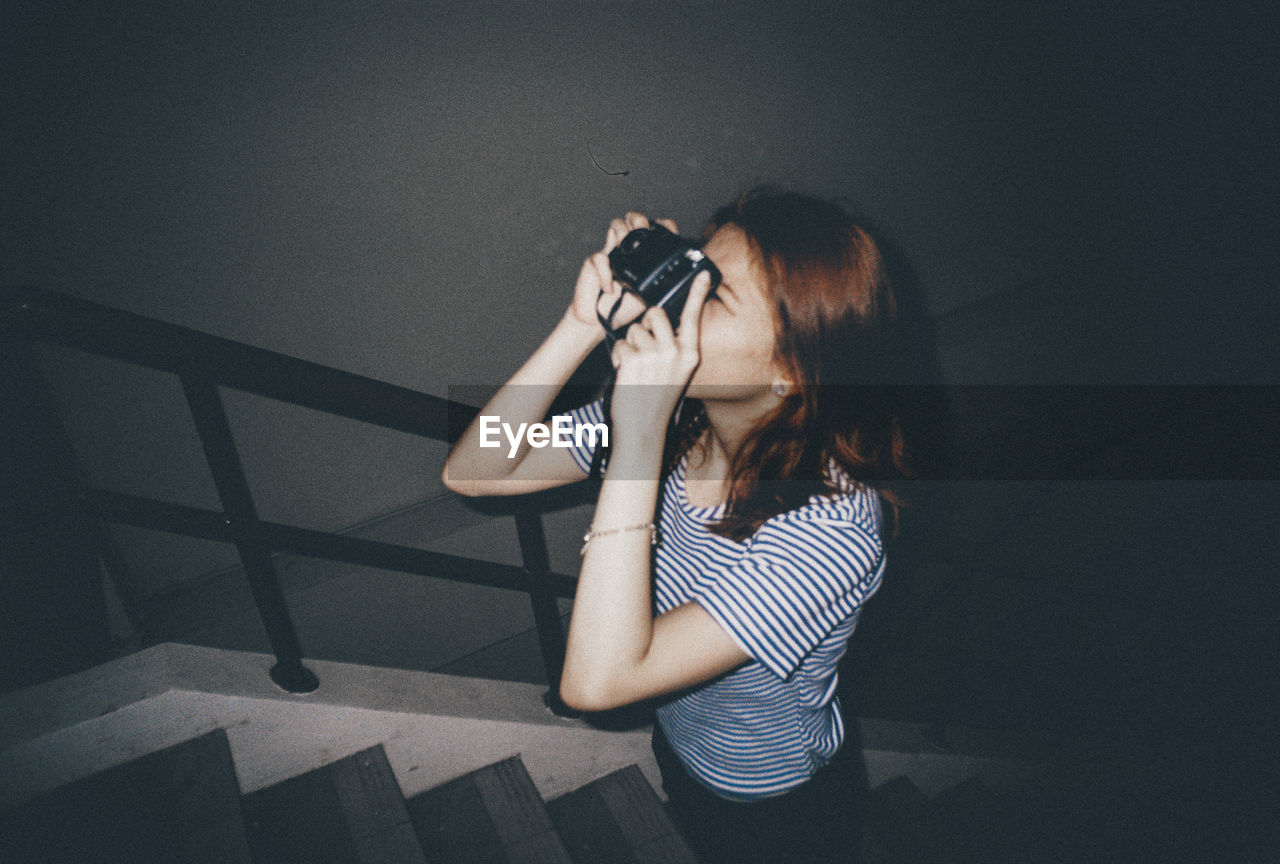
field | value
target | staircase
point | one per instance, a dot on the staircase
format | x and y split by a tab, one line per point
183	804
78	787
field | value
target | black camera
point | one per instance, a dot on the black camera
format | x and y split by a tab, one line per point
660	266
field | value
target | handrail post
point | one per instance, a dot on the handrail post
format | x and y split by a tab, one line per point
237	504
546	613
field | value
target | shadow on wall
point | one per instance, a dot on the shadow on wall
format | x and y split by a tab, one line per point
53	616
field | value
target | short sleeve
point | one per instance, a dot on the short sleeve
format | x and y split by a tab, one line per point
586	422
801	576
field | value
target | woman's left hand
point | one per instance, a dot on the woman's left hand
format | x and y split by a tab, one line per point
654	364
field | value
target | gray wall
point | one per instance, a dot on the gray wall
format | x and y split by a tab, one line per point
405	190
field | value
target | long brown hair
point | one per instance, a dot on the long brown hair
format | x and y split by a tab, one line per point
835	314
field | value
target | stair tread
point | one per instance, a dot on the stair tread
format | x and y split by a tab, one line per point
619	819
348	810
492	814
180	804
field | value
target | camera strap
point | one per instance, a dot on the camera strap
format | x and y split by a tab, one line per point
613	334
596	474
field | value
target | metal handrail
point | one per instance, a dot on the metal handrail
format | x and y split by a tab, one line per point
204	363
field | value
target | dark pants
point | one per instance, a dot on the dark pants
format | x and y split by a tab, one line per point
817	823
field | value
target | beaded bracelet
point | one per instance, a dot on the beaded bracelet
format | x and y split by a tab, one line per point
593	534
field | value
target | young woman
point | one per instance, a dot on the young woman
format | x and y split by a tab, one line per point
729	558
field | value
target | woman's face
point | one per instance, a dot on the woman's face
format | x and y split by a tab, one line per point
737	341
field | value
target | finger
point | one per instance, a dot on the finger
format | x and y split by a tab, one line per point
617	230
599	264
637	220
659	325
616	355
625	312
691	316
604	273
604	304
669	224
639	335
632	307
607	294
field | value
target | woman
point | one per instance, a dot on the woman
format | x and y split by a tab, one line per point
759	516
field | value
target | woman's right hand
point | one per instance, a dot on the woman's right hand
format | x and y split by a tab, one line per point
596	290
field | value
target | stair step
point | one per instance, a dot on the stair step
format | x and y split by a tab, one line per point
347	811
181	804
619	819
493	815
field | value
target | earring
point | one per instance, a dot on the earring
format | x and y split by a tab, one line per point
780	389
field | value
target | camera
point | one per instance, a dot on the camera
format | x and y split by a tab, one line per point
660	266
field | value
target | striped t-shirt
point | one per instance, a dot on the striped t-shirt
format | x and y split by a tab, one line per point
790	596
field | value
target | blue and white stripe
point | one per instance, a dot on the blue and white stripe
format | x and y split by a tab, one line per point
790	597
